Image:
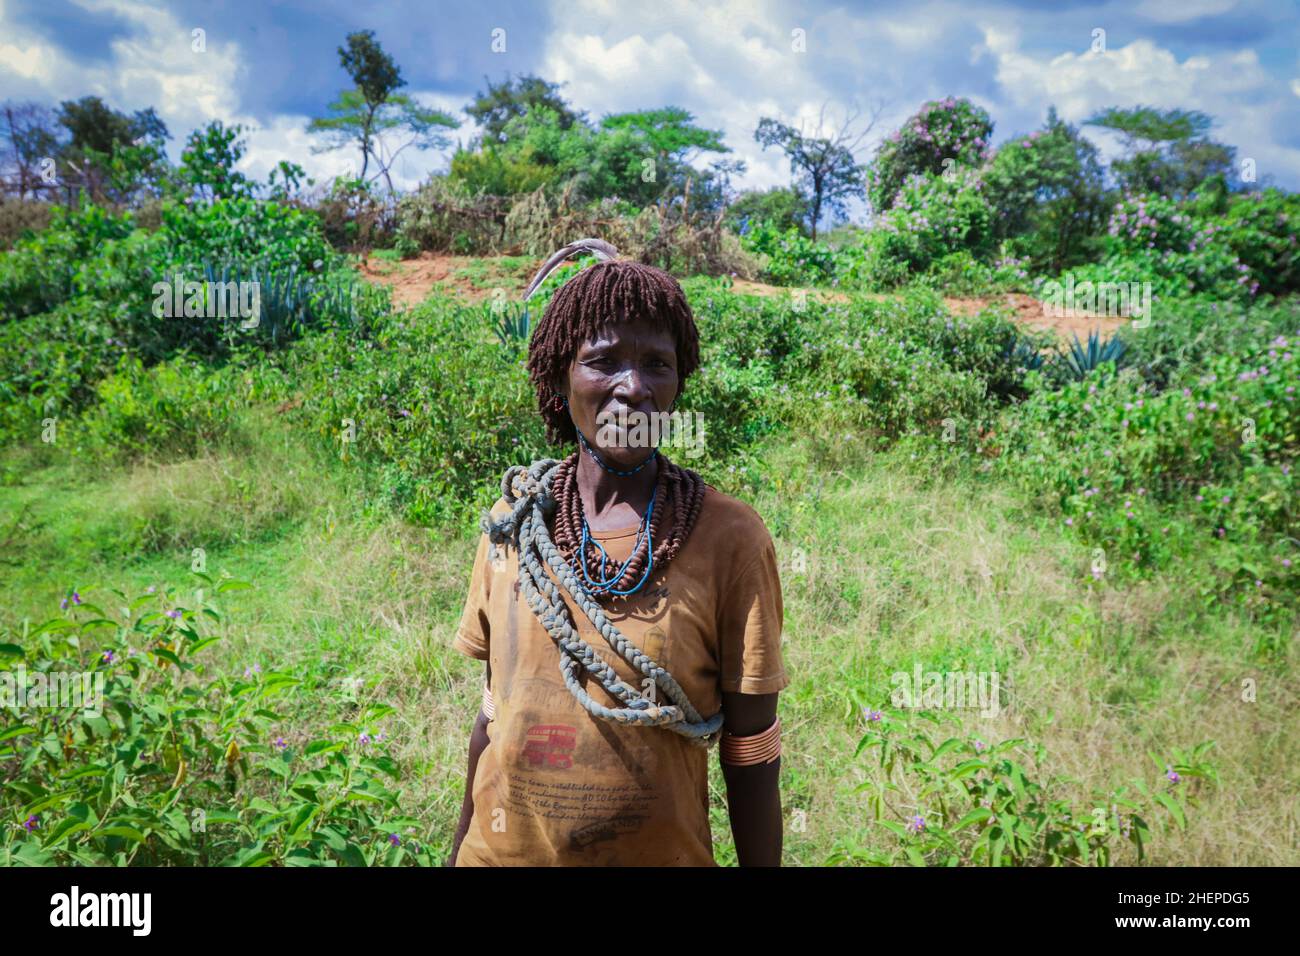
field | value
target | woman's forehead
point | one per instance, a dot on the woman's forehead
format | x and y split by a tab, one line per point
623	330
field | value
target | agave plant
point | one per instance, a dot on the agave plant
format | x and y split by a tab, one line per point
288	301
513	328
1080	360
1021	354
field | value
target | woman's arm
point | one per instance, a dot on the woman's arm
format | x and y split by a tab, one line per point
477	741
753	794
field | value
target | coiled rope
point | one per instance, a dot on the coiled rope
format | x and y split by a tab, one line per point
528	492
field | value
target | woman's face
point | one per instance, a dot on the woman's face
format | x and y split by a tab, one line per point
628	369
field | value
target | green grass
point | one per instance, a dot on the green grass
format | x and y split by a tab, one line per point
497	271
896	564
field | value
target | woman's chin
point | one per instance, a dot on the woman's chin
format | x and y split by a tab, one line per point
624	459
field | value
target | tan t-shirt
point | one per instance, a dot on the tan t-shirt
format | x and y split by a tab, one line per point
556	786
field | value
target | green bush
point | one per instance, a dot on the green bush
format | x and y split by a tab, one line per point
243	230
41	272
983	804
1157	240
433	401
1147	476
1188	333
942	135
792	258
932	217
1261	228
174	407
178	765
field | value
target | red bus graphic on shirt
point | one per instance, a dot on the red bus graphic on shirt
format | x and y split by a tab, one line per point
550	744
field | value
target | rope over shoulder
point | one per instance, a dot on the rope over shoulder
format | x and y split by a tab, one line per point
528	492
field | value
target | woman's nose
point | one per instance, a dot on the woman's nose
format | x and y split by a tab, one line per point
632	386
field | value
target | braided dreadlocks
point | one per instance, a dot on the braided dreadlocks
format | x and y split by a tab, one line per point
616	291
612	291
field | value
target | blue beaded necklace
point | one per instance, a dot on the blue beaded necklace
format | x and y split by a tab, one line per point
605	584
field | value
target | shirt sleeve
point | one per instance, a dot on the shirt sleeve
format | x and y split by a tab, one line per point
473	634
751	622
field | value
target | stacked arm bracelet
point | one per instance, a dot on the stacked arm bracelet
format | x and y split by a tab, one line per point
757	748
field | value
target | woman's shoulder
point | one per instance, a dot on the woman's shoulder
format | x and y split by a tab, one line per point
729	519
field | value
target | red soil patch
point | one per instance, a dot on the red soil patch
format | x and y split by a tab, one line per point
412	280
1029	311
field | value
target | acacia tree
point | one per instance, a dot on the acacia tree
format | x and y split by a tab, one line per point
367	114
520	96
824	166
1167	151
111	154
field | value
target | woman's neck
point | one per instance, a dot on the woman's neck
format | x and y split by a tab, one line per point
612	501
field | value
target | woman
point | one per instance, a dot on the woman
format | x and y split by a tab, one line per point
645	624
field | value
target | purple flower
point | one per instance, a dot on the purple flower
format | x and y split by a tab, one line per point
916	824
108	657
63	605
1172	775
979	745
250	671
394	839
150	589
873	715
32	823
364	739
280	744
76	598
174	613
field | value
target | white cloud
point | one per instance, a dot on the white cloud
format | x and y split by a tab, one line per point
156	64
1233	87
728	63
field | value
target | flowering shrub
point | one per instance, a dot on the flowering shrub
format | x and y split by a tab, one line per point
1261	227
1047	190
948	129
181	767
1157	240
966	802
1145	476
792	258
932	217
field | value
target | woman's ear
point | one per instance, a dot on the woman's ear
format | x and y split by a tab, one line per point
559	395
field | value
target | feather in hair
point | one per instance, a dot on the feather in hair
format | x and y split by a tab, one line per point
601	249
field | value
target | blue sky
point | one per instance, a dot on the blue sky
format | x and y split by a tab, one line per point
271	65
